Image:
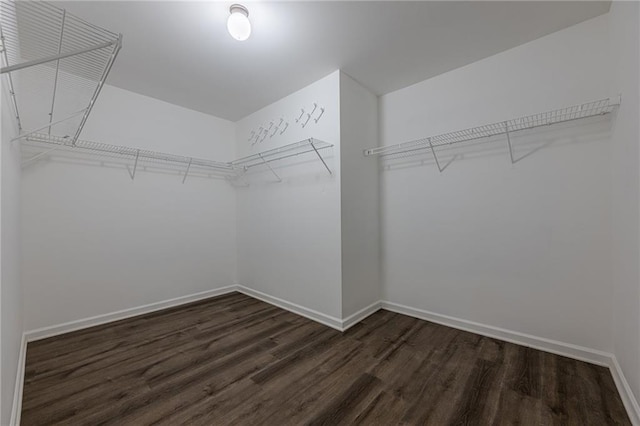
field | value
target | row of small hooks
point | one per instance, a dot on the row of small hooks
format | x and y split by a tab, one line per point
281	125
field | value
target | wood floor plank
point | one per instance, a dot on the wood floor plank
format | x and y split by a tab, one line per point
236	360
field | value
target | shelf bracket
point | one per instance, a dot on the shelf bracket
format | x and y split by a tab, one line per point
135	165
116	48
270	168
12	90
187	172
320	156
55	80
435	156
506	131
24	135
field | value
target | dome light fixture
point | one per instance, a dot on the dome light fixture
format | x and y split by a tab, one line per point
238	23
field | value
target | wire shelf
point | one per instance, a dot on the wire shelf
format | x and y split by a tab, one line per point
55	64
286	151
423	145
37	146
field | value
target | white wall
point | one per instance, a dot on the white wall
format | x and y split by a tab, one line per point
289	232
11	306
624	19
96	242
525	247
360	194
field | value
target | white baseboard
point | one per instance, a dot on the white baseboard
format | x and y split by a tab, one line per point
626	394
325	319
355	318
16	408
548	345
560	348
54	330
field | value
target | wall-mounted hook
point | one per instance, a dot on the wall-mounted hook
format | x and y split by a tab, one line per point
255	141
264	135
315	106
320	116
253	133
301	114
286	126
270	125
276	129
308	118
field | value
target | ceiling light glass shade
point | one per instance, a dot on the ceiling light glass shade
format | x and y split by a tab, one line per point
238	23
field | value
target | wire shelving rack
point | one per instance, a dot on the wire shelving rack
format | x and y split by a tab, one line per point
280	153
39	146
55	65
36	146
508	127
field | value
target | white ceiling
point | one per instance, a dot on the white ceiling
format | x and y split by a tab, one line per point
180	52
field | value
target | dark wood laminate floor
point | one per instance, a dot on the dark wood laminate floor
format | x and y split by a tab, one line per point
236	360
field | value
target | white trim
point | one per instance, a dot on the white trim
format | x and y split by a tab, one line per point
553	346
333	322
626	394
54	330
353	319
580	353
16	408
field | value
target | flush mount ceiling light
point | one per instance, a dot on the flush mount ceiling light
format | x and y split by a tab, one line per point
238	23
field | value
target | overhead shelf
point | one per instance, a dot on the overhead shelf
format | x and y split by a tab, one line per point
286	151
547	118
55	64
38	146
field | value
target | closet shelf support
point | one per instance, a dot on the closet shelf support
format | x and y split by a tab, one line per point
506	131
107	69
270	168
320	156
48	126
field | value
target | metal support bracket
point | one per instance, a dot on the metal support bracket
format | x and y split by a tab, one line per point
506	131
187	172
24	135
12	90
320	156
135	165
55	80
270	168
112	58
435	156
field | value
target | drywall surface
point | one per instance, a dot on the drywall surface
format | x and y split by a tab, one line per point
95	241
360	195
11	306
289	232
525	247
624	23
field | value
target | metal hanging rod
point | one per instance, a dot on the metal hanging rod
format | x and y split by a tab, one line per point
507	128
66	58
286	151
